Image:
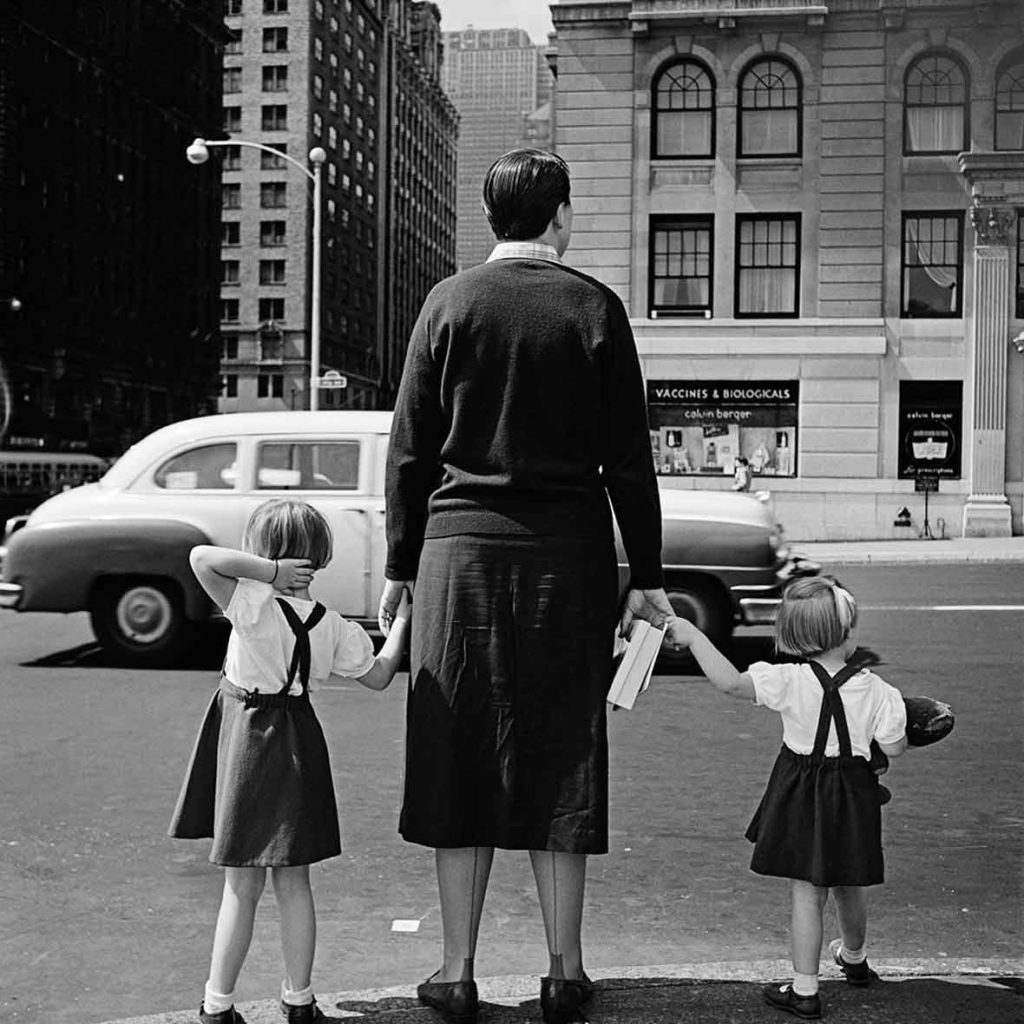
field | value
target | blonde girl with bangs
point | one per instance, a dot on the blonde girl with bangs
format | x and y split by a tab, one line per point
819	820
259	782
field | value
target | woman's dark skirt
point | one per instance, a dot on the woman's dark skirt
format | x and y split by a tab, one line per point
259	783
819	821
510	667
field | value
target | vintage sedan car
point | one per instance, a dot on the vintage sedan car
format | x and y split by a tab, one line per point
118	548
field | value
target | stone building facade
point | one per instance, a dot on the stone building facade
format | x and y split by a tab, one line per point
360	80
812	212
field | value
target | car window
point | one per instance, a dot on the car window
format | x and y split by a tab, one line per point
308	466
211	467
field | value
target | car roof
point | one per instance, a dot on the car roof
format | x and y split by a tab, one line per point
230	425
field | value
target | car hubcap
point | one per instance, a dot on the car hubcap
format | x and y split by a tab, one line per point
144	615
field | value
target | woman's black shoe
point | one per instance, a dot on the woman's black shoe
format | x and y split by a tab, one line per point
562	998
457	1001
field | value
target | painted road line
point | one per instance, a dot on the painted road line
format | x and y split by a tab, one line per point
942	607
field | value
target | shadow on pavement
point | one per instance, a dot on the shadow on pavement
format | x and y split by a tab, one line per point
205	655
672	1001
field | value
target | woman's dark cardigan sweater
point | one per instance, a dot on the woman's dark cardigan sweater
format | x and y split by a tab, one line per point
521	411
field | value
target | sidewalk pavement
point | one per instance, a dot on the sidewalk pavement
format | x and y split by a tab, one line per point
896	552
911	992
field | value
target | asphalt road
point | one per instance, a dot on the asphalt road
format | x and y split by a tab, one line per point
102	916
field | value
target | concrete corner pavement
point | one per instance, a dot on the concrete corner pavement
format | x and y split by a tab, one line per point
910	992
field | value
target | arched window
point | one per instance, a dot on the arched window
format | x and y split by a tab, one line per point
684	111
935	105
1010	106
770	109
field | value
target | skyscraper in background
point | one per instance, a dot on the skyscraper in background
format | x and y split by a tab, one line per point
501	86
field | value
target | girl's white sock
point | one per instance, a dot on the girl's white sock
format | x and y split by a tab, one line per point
217	1002
853	956
303	997
805	984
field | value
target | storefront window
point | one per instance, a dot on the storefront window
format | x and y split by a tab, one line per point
702	427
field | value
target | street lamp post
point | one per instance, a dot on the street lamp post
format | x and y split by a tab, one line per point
198	153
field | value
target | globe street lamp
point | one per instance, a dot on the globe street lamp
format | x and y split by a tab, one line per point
198	153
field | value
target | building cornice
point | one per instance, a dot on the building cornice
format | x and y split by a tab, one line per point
994	178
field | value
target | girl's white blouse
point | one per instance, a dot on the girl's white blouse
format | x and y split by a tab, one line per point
874	709
261	642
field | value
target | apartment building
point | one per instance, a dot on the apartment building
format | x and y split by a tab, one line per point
300	74
497	79
108	252
813	214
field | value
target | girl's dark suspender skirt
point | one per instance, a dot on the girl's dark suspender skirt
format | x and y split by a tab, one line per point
820	817
259	782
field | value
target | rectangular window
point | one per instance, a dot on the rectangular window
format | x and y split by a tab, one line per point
269	162
308	465
232	158
231	344
1020	264
318	48
231	197
234	44
275	6
275	78
269	385
230	272
229	385
767	265
701	427
272	271
932	265
229	312
232	119
232	79
318	87
232	7
318	125
272	233
271	309
681	266
275	40
273	195
230	232
274	118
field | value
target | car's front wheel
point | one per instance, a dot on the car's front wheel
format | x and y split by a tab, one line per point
707	607
140	621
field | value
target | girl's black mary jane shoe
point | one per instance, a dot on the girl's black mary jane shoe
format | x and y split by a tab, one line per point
561	999
456	1001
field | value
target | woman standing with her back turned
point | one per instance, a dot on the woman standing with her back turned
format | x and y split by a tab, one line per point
521	412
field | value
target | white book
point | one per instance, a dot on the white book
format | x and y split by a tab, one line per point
634	663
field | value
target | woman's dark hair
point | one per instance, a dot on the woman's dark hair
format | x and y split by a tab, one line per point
522	192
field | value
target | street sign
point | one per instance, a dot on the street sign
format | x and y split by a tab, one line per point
331	380
926	482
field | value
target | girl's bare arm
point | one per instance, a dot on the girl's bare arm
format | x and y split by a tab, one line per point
719	670
390	656
219	569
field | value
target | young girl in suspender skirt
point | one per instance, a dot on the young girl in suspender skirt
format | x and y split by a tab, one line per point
819	822
259	782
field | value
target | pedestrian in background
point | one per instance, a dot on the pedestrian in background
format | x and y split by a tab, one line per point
259	782
819	822
521	412
742	475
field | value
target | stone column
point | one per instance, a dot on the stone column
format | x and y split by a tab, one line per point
987	511
995	181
